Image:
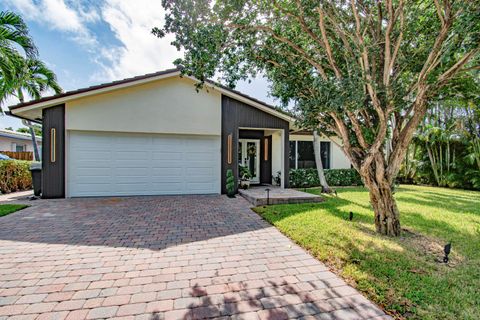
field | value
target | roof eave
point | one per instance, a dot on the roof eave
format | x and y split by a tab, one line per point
62	98
103	88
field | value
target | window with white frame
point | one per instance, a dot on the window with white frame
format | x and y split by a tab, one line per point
19	147
302	155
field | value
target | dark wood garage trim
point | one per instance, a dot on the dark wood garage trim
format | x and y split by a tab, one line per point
236	115
53	152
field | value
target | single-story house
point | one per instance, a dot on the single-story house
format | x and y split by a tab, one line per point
13	141
156	134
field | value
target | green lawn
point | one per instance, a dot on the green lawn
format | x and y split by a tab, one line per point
401	274
9	208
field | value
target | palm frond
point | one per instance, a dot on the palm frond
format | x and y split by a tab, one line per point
13	30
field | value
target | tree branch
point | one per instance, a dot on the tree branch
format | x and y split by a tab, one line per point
326	43
447	75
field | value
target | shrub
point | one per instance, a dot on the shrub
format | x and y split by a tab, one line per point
15	176
230	183
300	178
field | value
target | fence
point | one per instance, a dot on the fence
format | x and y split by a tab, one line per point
25	155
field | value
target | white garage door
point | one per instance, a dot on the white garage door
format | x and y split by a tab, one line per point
116	164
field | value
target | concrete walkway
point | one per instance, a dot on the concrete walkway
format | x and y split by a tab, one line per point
258	196
21	197
182	257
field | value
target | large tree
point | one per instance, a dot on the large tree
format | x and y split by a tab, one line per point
364	71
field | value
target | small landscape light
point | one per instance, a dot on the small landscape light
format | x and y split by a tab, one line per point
268	196
447	249
350	216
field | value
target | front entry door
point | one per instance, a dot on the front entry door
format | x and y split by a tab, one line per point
248	156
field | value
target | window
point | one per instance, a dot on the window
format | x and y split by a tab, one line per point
293	154
325	153
306	157
302	155
20	148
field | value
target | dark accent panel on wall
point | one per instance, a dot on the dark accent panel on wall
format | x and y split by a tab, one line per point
266	165
235	115
53	152
250	134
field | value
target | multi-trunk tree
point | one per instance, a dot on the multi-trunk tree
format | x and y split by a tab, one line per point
364	71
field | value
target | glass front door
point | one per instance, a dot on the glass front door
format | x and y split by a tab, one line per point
248	156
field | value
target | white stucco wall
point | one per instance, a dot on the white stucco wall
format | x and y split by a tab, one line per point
165	106
338	159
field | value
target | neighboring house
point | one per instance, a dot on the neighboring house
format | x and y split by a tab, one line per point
16	141
155	135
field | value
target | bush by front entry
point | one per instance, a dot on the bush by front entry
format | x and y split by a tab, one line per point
300	178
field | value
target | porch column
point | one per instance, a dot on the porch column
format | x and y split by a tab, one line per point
285	158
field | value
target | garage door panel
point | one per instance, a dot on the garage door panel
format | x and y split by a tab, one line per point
137	149
200	156
84	189
168	188
109	164
172	164
200	171
166	172
85	164
129	155
129	187
83	173
97	154
127	164
163	155
197	186
131	172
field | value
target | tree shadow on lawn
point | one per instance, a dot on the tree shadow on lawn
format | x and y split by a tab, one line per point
375	262
340	207
363	220
443	202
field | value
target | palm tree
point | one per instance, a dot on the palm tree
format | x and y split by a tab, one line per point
34	78
20	74
13	36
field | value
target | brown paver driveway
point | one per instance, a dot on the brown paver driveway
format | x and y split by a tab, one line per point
178	257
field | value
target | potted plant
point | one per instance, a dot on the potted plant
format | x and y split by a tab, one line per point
245	176
278	179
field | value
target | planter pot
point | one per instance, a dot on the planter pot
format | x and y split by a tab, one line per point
244	184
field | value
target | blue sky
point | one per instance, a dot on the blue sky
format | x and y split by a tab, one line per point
88	42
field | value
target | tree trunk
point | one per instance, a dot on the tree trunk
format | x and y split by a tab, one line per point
433	163
380	187
35	145
387	216
318	161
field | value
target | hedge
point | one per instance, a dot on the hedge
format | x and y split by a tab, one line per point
15	176
300	178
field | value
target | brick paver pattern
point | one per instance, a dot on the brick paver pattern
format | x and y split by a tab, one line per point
172	257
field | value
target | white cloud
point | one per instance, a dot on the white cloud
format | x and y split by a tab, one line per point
57	15
140	52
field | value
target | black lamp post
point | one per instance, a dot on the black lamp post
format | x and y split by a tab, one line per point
268	196
446	250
